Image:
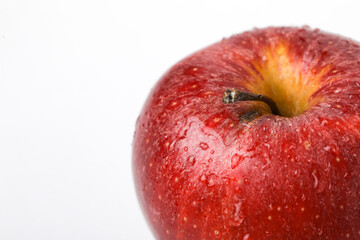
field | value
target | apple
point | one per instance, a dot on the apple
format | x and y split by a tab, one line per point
254	137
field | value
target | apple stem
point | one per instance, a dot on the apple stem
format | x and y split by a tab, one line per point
234	95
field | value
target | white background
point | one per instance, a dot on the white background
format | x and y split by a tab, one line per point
73	78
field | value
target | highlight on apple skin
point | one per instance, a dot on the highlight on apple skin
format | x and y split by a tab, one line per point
208	170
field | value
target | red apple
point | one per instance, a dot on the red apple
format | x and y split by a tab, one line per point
208	170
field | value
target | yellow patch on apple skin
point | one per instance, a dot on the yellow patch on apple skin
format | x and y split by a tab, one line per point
279	77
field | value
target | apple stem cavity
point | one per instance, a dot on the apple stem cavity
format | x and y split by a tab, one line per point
234	95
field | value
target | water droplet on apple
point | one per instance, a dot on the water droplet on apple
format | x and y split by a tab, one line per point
186	149
303	197
212	151
203	178
316	180
191	159
246	236
246	181
324	122
337	90
210	160
236	159
238	215
204	146
265	161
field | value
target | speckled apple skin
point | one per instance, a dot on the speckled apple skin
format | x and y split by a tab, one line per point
201	173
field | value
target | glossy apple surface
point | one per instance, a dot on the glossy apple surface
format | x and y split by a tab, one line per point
206	170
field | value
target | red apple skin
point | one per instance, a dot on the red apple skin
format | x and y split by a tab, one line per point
203	173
